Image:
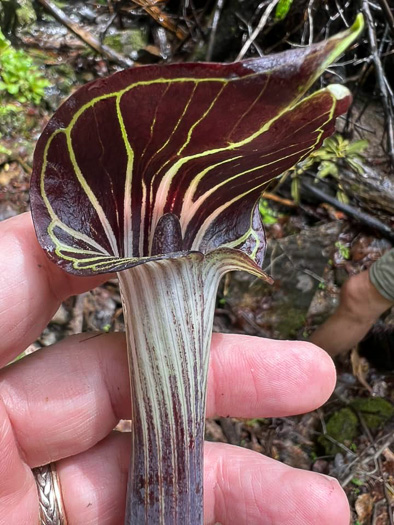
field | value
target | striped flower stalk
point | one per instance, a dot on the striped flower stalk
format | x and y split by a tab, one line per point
154	173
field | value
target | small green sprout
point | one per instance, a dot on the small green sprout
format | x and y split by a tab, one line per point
343	250
357	482
335	151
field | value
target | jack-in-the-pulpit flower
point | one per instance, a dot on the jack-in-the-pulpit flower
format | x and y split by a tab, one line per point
155	173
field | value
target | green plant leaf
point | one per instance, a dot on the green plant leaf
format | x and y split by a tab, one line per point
268	215
357	146
19	76
282	9
327	167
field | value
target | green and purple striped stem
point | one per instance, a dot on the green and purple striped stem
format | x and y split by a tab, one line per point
168	308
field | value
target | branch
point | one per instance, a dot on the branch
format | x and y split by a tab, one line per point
383	475
382	80
215	22
161	18
85	36
388	14
259	28
351	211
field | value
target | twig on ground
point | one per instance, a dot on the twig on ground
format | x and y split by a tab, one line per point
260	26
249	29
294	30
340	10
161	18
28	169
308	26
322	420
193	23
388	14
334	442
351	211
358	462
382	80
85	36
378	459
75	326
280	200
215	22
108	25
259	331
376	518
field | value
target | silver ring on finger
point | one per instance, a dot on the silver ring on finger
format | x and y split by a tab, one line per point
49	495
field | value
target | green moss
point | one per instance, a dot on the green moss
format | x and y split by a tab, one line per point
15	124
12	120
127	41
20	78
291	320
26	13
114	41
375	410
62	78
343	428
256	421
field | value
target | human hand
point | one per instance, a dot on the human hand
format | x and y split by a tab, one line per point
61	403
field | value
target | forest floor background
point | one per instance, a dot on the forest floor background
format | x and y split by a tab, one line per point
315	243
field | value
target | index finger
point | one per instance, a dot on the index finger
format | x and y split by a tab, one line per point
32	287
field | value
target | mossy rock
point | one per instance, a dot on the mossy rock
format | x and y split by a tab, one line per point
26	13
127	41
374	410
13	121
291	320
342	427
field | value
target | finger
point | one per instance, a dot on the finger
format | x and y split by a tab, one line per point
240	487
244	487
94	482
272	378
62	400
31	286
18	494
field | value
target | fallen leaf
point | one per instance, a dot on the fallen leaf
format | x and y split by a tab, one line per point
364	507
360	368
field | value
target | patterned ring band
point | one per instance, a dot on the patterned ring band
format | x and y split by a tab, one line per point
49	495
